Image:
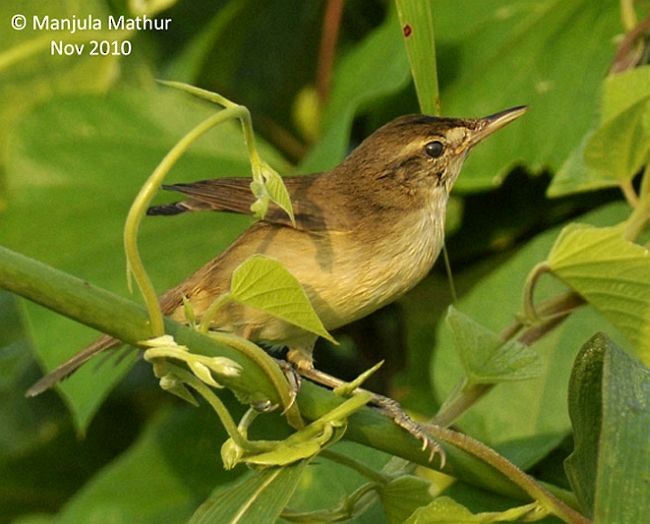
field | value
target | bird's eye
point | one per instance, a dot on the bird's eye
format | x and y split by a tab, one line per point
434	149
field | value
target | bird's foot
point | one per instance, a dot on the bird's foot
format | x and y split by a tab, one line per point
394	410
388	406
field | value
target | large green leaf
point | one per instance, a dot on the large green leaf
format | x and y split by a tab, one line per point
496	54
86	157
523	420
612	274
30	72
258	498
608	403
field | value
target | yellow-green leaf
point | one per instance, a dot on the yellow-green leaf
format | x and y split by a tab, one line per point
612	274
276	190
447	510
623	90
618	146
285	453
265	284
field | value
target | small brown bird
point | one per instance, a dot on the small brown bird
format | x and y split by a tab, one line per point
366	232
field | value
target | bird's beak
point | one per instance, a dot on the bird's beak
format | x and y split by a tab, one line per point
489	124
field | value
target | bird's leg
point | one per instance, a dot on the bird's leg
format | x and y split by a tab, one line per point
389	406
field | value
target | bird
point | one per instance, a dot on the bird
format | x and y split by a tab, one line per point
365	233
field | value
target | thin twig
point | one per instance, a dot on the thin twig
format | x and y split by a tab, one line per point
328	40
627	56
522	479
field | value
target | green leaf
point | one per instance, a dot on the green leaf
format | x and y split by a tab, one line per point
30	73
25	424
612	274
446	510
277	191
286	453
416	20
86	157
617	147
585	410
485	357
403	495
376	67
522	420
608	404
496	54
263	283
575	176
624	90
258	498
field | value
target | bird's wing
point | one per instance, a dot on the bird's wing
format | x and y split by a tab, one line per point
234	195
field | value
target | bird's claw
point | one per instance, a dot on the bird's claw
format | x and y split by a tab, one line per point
294	380
393	409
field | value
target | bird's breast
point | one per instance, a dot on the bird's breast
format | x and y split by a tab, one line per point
374	266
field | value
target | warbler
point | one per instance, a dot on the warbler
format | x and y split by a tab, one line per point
365	232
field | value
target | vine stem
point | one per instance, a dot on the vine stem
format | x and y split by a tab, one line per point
141	203
243	114
641	213
530	311
515	474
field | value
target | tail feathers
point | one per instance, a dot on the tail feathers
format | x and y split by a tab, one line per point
70	366
175	208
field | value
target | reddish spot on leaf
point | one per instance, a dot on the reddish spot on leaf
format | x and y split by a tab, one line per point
407	30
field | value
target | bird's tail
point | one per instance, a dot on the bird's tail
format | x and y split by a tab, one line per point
71	365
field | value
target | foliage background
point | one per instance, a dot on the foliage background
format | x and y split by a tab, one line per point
80	134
